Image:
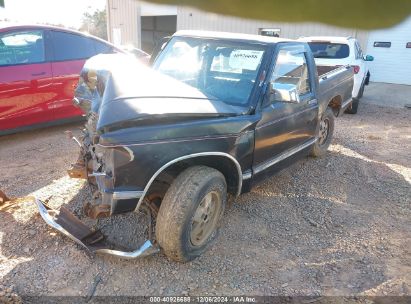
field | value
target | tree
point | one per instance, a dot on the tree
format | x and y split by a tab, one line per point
95	24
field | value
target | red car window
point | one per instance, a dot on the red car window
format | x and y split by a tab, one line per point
67	46
23	47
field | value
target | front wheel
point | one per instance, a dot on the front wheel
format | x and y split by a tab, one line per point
324	134
190	213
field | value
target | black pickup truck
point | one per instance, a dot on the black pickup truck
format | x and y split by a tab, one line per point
214	115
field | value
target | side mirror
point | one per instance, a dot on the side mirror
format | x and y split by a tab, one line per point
369	58
284	92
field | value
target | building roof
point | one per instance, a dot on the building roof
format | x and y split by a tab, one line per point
227	35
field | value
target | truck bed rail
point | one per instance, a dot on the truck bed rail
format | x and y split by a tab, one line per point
333	72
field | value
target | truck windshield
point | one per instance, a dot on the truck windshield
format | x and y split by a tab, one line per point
329	50
220	69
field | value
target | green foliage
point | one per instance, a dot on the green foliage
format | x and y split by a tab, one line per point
95	24
1	3
360	14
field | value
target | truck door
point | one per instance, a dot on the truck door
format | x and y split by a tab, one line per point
288	125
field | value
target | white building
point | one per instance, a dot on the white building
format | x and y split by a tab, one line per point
143	24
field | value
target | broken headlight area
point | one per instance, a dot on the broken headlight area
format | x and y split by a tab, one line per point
109	196
88	92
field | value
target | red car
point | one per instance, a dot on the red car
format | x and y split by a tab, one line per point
39	69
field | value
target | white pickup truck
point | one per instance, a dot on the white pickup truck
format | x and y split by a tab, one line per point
332	51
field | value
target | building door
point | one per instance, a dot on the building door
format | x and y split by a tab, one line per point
391	49
154	28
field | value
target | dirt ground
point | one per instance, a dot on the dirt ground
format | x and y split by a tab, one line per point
338	225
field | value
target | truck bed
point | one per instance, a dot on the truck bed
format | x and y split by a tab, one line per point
324	69
335	81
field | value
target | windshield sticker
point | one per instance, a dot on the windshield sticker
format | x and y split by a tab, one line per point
245	59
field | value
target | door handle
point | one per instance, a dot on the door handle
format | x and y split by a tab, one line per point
38	74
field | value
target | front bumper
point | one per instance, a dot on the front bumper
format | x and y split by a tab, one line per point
93	241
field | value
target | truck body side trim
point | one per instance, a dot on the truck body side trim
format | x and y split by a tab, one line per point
282	156
122	195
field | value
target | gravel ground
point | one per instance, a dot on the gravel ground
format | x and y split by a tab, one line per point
339	225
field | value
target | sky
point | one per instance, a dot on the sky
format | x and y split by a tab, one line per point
66	12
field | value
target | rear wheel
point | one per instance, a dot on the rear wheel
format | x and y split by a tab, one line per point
356	101
361	93
367	78
324	134
190	213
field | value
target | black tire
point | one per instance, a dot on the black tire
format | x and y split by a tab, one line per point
355	102
320	147
354	106
175	220
361	93
367	78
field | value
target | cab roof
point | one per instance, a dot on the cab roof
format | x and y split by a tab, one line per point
227	35
332	39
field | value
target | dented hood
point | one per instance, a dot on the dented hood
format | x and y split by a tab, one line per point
123	91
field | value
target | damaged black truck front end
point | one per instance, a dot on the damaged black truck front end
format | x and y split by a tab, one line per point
215	114
135	137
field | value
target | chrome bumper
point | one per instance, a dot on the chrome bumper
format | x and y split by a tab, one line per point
69	225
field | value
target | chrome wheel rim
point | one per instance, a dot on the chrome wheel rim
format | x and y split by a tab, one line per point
205	219
324	129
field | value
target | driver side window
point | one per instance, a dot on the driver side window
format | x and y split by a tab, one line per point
291	72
